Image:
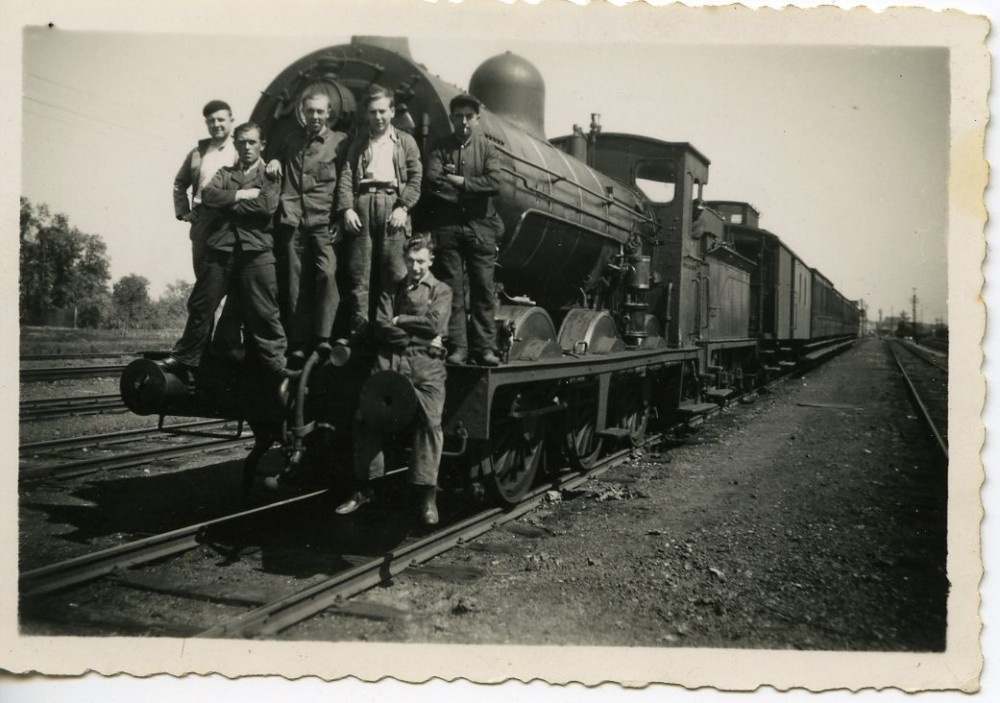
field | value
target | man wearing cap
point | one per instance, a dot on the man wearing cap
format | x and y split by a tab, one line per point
463	173
199	166
308	164
409	324
238	257
379	185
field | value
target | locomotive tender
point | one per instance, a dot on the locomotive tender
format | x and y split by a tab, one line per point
623	297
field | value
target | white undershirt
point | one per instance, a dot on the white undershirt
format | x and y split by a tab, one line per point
380	166
214	159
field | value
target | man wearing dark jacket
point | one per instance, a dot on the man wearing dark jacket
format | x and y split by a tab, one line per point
463	173
309	162
409	326
238	255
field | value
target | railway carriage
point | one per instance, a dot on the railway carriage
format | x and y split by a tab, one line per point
623	300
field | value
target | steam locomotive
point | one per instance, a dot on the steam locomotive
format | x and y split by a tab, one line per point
625	298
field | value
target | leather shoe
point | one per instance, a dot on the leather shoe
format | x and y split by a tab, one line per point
486	358
357	499
457	357
428	506
288	373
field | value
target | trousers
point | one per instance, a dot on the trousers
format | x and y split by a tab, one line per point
428	376
475	248
374	255
251	274
309	288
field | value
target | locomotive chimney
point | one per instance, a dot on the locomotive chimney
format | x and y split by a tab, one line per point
511	87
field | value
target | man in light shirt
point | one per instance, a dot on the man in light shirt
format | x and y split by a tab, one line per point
199	167
379	185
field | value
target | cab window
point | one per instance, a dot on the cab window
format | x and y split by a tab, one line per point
656	180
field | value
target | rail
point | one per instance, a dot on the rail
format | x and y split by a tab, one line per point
62	372
925	412
88	567
54	407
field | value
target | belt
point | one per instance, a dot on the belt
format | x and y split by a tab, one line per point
366	188
423	349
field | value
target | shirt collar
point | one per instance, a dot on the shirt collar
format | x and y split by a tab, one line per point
252	167
428	280
319	136
390	132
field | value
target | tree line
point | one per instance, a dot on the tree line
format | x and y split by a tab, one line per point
65	274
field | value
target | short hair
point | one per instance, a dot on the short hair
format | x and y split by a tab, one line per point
314	95
377	92
246	127
214	106
464	99
420	241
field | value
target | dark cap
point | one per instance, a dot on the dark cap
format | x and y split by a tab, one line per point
463	99
215	106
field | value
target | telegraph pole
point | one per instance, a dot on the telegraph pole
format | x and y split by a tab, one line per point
913	302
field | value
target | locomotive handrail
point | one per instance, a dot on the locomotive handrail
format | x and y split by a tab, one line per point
612	200
571	206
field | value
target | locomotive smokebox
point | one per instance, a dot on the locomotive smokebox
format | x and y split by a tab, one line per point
510	86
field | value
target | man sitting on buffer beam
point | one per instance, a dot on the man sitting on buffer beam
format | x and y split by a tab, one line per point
409	326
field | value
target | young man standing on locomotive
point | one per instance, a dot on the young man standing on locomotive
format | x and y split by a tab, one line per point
308	166
463	173
238	257
199	166
410	322
379	185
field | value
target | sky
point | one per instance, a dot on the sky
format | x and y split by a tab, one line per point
842	147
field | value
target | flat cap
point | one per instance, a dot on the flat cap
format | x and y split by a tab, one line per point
464	99
214	106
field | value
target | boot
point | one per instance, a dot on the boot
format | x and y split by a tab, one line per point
428	507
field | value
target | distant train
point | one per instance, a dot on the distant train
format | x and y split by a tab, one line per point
626	299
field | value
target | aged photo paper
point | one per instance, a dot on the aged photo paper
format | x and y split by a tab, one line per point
556	28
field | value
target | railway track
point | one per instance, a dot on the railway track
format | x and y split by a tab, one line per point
293	607
77	355
55	464
926	381
73	405
55	373
112	438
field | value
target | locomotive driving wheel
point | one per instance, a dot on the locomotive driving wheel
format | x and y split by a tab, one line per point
582	443
630	410
514	455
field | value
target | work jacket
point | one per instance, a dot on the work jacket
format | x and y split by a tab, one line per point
248	220
405	161
308	189
480	163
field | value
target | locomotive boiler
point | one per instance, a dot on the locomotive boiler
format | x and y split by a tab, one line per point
621	299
